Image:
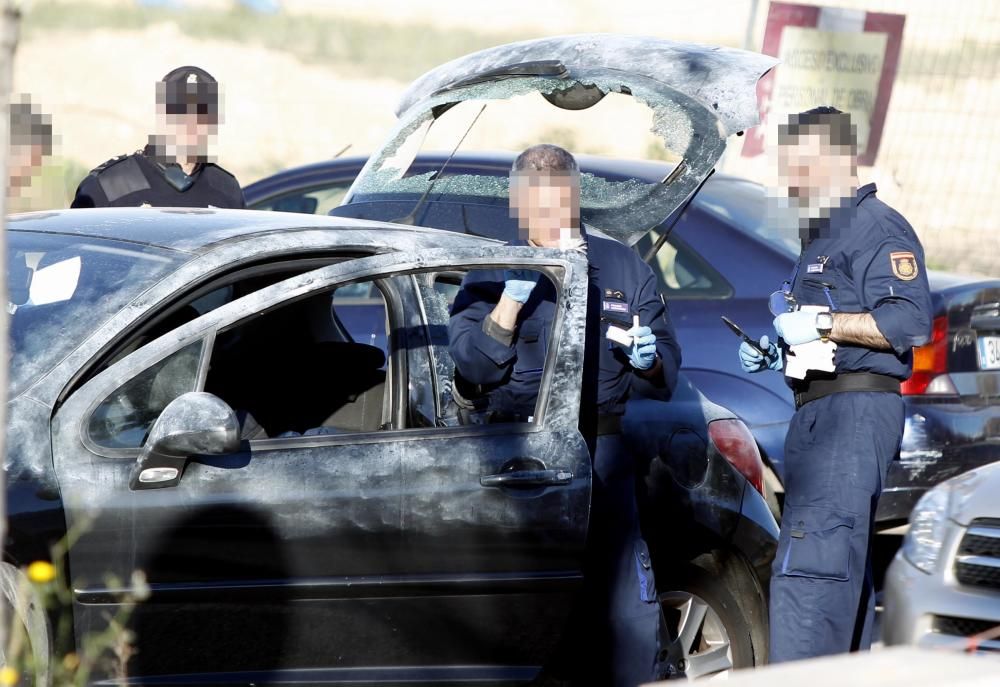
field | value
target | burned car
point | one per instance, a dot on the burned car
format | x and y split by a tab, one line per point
191	397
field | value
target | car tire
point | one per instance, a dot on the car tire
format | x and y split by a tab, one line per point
715	617
23	608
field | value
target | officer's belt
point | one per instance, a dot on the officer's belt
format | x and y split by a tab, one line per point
847	381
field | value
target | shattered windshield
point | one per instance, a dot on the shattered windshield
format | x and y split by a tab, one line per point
641	121
61	288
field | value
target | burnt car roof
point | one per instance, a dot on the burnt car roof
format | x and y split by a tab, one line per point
192	230
722	79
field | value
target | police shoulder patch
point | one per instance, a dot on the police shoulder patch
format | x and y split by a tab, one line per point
108	163
121	179
904	265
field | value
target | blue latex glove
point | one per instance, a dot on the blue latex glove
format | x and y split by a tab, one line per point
518	284
797	327
642	352
753	361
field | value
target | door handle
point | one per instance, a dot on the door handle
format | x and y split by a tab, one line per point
527	478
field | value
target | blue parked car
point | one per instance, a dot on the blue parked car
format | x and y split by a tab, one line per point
719	259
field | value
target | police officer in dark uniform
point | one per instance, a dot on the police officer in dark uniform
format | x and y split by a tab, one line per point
174	169
498	336
864	263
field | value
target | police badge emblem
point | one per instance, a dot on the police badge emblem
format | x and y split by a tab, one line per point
904	265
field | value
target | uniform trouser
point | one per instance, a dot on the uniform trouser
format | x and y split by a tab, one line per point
837	452
620	588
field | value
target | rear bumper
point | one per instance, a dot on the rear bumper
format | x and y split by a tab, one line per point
940	440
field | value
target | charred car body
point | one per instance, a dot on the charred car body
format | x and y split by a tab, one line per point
189	399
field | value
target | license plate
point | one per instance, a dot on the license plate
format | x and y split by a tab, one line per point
989	353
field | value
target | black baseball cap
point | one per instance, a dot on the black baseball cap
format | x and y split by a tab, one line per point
189	90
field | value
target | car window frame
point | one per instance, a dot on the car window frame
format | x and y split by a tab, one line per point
430	354
380	286
678	244
539	424
395	361
369	268
207	341
344	184
228	276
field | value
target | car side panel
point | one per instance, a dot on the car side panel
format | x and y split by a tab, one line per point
764	401
766	414
34	509
940	440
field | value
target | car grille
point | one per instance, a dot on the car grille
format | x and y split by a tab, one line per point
978	560
963	627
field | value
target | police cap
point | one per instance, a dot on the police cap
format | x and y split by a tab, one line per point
189	90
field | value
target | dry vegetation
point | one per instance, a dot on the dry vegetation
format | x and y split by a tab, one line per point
301	85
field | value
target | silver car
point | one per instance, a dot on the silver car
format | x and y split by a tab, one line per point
943	588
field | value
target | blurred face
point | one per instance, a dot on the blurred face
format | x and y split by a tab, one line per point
814	175
187	135
546	205
25	162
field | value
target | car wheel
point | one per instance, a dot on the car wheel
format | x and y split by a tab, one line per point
711	633
23	613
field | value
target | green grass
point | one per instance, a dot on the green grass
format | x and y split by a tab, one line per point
371	49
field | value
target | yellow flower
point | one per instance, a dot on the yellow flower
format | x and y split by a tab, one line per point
71	662
8	676
41	572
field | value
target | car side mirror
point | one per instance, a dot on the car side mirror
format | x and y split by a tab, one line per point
195	423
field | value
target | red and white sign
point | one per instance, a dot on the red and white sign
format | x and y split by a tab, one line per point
829	56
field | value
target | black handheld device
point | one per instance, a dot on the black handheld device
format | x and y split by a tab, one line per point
739	332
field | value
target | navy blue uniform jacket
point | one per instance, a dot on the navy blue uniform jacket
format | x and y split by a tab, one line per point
620	285
873	263
135	180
